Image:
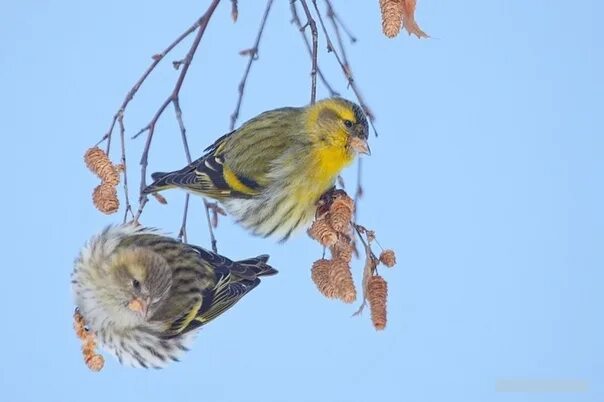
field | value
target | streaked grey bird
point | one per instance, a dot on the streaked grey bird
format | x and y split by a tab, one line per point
144	295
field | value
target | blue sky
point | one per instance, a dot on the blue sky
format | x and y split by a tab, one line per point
486	179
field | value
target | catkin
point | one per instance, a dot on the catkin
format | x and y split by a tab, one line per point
105	198
321	277
98	162
340	213
322	231
343	249
94	361
388	258
332	227
341	278
377	293
391	17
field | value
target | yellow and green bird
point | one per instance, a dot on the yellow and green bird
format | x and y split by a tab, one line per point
270	172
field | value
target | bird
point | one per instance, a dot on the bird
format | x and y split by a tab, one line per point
270	173
144	295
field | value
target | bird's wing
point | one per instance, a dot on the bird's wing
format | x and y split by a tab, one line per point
209	175
234	279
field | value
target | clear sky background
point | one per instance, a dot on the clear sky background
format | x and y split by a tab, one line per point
486	179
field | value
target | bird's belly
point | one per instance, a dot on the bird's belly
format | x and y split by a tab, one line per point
277	212
137	348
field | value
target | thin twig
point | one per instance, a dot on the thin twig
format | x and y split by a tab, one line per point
118	117
201	25
157	58
234	10
347	72
332	18
367	244
182	233
183	130
253	55
331	11
315	43
213	241
336	23
296	20
358	194
124	166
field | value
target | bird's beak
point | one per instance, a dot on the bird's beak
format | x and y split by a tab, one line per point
139	305
360	145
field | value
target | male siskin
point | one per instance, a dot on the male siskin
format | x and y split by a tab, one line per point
270	172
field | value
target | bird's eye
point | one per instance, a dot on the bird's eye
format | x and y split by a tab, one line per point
348	123
136	284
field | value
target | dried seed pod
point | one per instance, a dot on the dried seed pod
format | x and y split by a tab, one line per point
94	361
343	249
340	213
79	325
408	16
341	277
321	278
105	198
388	258
98	162
321	231
377	293
391	17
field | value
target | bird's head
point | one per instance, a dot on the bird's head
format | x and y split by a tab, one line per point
340	122
138	284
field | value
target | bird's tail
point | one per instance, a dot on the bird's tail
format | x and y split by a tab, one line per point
161	181
258	265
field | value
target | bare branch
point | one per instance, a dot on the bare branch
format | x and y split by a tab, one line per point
358	194
296	20
234	10
124	166
334	22
315	42
208	206
182	233
331	14
253	55
201	26
157	58
346	70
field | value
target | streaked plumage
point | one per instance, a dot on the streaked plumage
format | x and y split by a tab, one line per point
144	294
270	172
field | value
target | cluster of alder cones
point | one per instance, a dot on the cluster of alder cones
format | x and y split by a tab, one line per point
104	195
397	14
333	228
94	361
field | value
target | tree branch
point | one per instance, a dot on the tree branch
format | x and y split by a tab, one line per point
253	55
201	25
296	20
315	42
347	71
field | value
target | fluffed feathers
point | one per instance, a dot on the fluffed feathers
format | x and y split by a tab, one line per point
144	295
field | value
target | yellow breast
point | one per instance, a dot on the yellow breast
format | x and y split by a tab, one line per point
327	163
